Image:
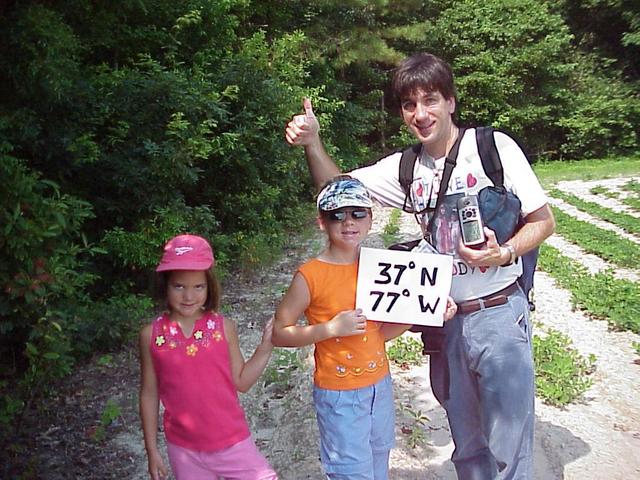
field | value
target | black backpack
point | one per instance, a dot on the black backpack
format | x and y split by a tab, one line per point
493	169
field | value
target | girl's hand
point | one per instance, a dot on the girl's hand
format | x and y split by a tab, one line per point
450	310
157	469
267	333
349	322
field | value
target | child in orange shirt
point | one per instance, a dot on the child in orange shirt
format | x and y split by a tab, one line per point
352	392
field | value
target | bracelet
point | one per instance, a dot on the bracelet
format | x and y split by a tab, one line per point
512	254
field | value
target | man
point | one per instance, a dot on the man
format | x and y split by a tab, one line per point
483	375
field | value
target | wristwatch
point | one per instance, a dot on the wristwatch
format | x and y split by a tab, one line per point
512	254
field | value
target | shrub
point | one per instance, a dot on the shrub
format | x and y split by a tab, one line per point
405	351
42	274
561	372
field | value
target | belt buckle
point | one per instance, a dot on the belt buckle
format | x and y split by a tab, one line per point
471	306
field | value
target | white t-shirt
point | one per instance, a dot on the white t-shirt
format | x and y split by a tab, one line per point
468	177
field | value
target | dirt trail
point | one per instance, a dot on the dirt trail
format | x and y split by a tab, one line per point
594	439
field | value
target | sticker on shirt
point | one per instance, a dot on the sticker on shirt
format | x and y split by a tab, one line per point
421	193
445	228
424	191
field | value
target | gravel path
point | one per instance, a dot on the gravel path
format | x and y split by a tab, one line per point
614	185
580	215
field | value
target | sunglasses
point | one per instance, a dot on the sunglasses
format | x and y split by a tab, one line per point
341	215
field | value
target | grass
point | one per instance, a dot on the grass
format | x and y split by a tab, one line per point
632	202
600	296
632	186
600	190
627	222
405	350
552	172
391	229
562	374
604	243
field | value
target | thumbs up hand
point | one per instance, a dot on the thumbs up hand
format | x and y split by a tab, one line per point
303	129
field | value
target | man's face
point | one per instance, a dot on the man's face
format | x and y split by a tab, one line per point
428	116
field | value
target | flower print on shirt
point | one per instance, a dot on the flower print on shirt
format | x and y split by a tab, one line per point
204	336
192	350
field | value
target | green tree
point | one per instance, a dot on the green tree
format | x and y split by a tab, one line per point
512	64
609	27
160	120
43	277
352	47
603	113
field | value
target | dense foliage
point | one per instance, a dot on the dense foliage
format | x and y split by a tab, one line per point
124	123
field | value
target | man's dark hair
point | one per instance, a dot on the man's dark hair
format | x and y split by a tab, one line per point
423	71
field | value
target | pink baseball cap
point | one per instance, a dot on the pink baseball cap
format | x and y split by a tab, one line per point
186	252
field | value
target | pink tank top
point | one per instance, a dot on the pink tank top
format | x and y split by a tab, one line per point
202	410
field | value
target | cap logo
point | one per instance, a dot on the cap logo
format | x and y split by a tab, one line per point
183	250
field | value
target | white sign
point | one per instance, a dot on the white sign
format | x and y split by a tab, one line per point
403	287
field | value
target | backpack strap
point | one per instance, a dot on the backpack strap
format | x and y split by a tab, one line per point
408	161
405	173
489	155
449	165
493	168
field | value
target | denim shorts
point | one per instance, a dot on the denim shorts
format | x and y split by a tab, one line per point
356	430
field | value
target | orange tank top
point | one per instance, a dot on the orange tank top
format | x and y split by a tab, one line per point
342	363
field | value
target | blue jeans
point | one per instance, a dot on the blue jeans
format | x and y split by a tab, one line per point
356	431
484	378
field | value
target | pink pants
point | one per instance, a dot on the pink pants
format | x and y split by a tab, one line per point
241	461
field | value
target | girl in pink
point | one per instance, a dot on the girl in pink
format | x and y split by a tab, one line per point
191	362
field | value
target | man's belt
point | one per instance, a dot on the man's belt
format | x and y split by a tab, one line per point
493	300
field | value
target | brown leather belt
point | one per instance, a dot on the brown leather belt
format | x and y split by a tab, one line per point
493	300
